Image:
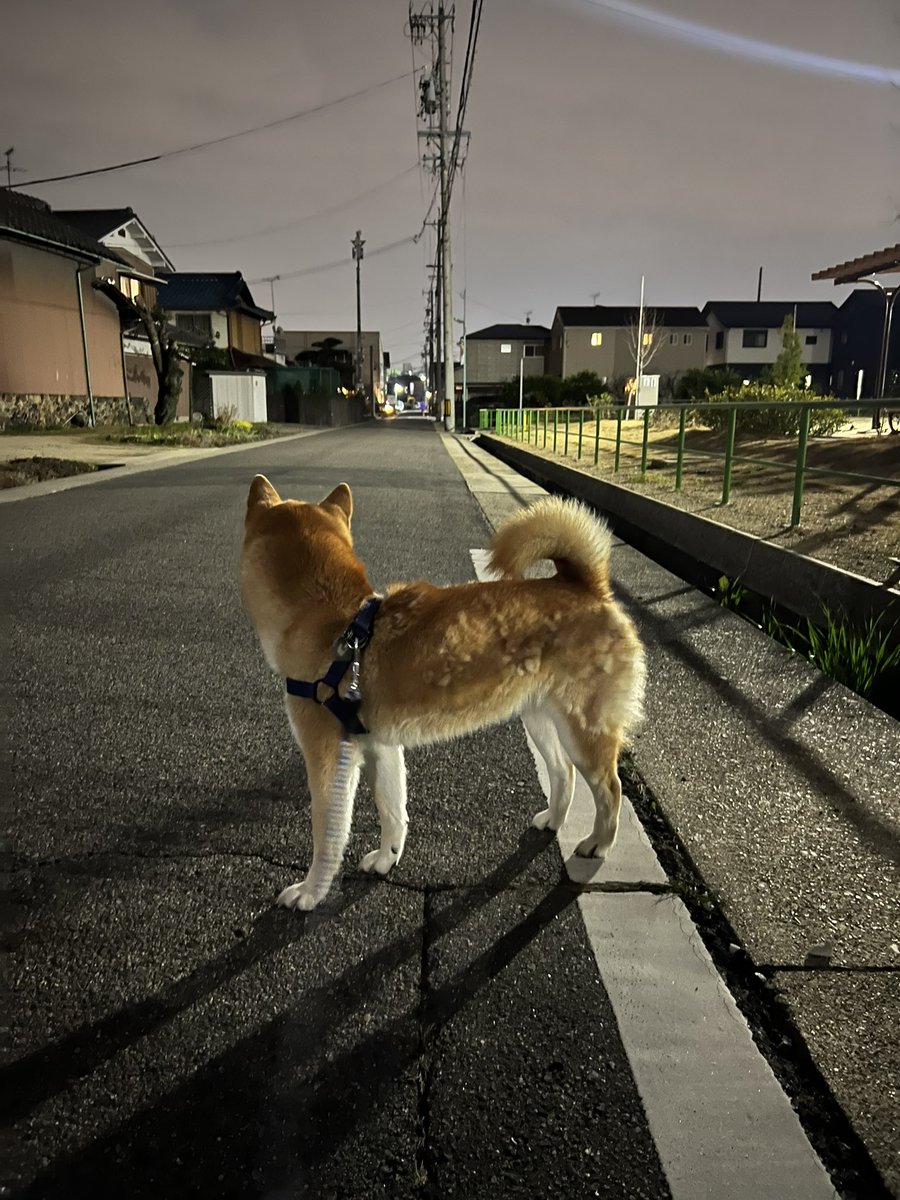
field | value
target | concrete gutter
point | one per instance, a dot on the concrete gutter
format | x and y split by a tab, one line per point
802	585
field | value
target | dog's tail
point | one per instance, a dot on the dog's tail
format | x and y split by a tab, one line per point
564	531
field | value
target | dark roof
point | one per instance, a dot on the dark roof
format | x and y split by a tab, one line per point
524	333
887	260
209	291
604	315
96	222
770	314
28	219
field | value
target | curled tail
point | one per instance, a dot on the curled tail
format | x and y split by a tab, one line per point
564	531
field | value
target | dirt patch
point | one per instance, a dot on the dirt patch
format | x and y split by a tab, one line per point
19	471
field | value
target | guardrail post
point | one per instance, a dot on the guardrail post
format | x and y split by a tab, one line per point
645	437
497	421
544	447
580	430
566	439
729	455
597	438
555	423
679	461
800	468
618	439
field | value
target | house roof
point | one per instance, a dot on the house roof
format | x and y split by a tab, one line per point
100	223
604	316
27	219
770	314
523	333
209	291
886	260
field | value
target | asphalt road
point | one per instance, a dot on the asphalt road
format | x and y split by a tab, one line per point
442	1033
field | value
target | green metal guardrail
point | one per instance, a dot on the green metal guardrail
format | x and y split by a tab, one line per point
533	424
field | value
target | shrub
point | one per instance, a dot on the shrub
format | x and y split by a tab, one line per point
698	382
783	421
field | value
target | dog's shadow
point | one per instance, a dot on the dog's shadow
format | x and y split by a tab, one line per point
276	1104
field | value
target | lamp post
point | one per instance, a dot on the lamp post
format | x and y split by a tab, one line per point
888	295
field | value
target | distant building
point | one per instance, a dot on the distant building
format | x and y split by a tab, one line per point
744	335
600	338
217	306
303	341
856	356
496	354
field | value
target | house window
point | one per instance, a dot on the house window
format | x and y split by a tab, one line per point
720	339
596	339
534	352
129	287
811	339
194	323
673	339
755	339
648	339
506	347
688	339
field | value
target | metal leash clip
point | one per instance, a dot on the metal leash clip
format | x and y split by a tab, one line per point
353	692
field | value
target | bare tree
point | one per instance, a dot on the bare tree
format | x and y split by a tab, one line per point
654	334
163	349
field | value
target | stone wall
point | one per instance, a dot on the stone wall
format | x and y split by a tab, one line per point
44	411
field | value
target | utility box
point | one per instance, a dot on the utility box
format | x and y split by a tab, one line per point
648	392
242	393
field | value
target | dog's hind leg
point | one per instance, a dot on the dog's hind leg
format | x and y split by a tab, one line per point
542	728
596	757
386	773
332	772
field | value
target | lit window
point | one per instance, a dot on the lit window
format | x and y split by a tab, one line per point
648	339
688	339
596	339
506	347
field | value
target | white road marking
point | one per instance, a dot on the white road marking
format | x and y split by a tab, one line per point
722	1125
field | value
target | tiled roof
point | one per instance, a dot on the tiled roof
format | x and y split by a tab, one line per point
525	333
209	291
887	260
28	219
97	222
770	314
606	316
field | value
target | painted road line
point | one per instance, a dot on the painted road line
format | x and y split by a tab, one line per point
722	1125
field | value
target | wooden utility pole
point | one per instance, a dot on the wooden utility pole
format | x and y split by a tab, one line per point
358	244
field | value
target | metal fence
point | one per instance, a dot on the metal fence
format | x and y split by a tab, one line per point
555	429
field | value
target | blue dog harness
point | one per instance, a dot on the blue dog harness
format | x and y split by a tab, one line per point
350	646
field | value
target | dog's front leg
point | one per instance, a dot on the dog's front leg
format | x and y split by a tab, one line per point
332	772
386	773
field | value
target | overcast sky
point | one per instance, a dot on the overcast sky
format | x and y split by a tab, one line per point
690	140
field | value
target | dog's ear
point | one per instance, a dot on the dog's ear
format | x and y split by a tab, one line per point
342	499
262	494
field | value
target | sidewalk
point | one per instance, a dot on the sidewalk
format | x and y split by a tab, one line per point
757	762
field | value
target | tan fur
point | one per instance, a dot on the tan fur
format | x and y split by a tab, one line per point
445	661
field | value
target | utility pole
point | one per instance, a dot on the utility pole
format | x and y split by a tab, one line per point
446	261
357	245
434	103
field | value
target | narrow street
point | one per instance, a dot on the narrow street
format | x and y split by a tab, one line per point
446	1032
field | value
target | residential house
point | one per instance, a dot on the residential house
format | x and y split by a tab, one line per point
602	338
60	337
121	230
499	353
305	341
219	308
744	335
856	353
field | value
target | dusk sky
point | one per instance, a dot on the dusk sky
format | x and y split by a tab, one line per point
692	141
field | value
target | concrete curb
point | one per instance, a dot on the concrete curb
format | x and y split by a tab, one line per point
803	585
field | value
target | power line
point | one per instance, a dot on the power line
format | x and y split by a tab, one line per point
240	237
228	137
338	262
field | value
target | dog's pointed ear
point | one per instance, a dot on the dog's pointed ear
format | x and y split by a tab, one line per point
340	498
262	494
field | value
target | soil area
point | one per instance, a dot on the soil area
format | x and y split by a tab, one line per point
850	522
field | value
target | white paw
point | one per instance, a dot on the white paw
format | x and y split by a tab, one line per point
590	847
542	820
379	861
303	896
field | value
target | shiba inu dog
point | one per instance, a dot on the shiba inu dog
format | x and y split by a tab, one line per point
439	662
